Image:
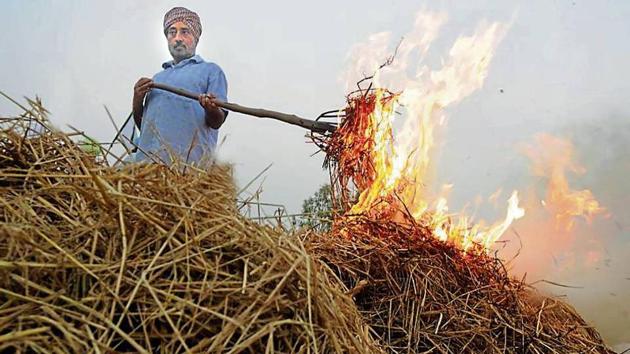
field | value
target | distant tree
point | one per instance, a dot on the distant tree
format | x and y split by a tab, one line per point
317	210
90	146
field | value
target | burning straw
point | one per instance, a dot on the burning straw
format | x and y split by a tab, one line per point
146	259
350	150
419	291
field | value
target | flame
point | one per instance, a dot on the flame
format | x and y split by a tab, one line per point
401	157
551	158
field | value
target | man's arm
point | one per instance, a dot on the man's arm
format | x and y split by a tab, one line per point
140	90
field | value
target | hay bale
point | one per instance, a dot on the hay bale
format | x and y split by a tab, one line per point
146	259
421	295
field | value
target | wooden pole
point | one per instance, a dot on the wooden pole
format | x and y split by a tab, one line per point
256	112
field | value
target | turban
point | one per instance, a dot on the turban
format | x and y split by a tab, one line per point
190	18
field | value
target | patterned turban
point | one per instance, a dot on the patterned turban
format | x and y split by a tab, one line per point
182	14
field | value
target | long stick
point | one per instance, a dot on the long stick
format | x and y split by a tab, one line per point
256	112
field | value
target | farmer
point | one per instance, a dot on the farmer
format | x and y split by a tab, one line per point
173	127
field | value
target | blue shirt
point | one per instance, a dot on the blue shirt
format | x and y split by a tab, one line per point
174	127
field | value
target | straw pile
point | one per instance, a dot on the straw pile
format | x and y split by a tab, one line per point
421	295
148	259
145	259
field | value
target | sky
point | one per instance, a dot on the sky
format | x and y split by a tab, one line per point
562	68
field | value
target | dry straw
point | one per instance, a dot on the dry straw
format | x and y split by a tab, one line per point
421	295
147	259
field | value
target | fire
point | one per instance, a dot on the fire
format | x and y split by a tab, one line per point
551	158
400	145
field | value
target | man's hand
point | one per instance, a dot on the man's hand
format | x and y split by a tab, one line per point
214	115
207	101
140	90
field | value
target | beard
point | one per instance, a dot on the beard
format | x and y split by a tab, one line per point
180	52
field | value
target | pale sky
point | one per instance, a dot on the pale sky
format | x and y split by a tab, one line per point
563	68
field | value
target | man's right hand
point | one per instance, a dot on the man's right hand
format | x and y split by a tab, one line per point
141	88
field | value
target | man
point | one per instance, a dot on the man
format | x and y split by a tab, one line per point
173	127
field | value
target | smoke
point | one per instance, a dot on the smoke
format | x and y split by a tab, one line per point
591	257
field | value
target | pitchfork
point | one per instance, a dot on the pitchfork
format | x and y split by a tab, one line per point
319	126
312	125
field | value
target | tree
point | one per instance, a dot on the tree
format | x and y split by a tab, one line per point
317	210
90	146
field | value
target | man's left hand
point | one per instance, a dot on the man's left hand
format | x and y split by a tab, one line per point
214	116
207	102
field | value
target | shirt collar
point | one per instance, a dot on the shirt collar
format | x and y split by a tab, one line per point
196	59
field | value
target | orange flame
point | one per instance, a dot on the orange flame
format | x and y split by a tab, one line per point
401	158
551	157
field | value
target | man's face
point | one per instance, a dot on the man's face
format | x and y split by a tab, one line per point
181	42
